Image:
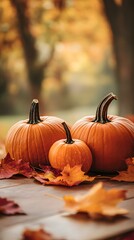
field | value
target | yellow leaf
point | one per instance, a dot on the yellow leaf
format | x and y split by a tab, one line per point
97	202
73	176
126	176
48	175
70	176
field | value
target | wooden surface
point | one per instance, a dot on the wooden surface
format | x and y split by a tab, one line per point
44	210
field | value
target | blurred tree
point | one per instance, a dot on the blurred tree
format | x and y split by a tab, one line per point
6	102
60	4
54	39
120	14
35	70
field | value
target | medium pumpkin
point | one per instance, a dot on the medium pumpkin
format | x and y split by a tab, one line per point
70	151
31	139
110	138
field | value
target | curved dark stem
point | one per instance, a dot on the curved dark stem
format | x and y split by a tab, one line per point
34	116
68	134
102	109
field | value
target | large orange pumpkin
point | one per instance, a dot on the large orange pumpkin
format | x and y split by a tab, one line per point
70	151
130	117
110	137
32	138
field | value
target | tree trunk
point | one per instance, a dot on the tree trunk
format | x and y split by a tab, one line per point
35	71
121	19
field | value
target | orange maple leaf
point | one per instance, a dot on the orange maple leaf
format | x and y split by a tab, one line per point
97	202
70	176
126	176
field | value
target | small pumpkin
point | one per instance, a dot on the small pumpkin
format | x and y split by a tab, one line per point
32	138
110	137
70	151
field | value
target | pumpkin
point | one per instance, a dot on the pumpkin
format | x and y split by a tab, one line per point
32	138
110	137
130	117
70	151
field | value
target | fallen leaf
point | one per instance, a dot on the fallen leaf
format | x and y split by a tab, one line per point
10	167
97	202
73	176
39	234
25	169
47	175
9	207
126	176
70	176
49	169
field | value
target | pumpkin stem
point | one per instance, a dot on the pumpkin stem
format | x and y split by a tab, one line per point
102	109
34	116
68	134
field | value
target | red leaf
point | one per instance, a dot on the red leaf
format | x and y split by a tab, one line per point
8	207
39	234
47	169
10	167
25	169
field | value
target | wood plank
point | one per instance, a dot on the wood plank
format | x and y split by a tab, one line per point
35	199
75	228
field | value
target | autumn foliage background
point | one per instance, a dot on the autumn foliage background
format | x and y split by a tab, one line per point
63	53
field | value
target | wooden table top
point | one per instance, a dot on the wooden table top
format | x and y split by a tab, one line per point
43	210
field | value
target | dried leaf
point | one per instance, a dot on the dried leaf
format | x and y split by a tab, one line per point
68	177
97	202
10	167
8	207
25	169
44	177
73	176
49	169
126	176
39	234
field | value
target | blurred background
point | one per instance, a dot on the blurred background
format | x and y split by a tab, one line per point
68	54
